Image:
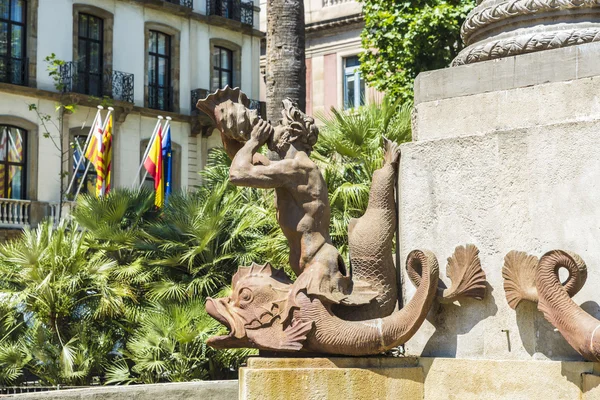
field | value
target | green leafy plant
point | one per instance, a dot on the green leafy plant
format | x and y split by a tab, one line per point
402	39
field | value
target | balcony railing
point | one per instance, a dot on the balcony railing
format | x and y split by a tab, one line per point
236	10
14	213
14	70
19	214
114	84
185	3
197	94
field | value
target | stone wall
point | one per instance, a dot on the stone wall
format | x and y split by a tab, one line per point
505	157
369	378
9	234
215	390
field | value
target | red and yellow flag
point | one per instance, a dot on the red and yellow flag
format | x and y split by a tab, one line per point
154	165
103	184
94	154
95	144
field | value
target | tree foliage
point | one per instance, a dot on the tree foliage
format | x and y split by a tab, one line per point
402	39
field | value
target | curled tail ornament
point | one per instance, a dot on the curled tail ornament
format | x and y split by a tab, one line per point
526	280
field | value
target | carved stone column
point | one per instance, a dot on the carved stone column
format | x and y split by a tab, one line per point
502	28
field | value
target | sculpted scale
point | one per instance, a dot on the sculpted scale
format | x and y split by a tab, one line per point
330	308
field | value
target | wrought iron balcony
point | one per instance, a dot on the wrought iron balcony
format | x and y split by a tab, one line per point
14	70
114	84
197	94
185	3
236	10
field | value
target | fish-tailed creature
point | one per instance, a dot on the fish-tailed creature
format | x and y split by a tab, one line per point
258	313
325	310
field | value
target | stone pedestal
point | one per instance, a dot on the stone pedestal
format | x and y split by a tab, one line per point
331	378
416	378
506	155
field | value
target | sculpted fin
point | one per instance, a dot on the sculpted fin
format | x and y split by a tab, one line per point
295	335
465	272
519	277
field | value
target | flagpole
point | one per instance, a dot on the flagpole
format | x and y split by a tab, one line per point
87	142
160	118
167	124
110	110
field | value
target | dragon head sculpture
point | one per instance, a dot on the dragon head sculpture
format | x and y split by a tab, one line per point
256	311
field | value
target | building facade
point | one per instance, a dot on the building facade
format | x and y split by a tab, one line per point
145	58
333	42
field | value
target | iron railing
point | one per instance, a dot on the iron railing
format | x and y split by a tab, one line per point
114	84
121	84
185	3
197	94
236	10
14	70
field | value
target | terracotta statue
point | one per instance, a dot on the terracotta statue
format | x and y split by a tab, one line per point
328	308
527	279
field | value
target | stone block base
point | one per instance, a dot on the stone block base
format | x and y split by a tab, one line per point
331	378
417	378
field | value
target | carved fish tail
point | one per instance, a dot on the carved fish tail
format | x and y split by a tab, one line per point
578	327
370	241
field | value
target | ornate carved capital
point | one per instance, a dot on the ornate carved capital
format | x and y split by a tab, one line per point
496	29
526	43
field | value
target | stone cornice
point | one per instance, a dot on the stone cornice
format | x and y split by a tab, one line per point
334	23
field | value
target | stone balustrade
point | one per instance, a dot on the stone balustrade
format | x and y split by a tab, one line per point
14	213
17	214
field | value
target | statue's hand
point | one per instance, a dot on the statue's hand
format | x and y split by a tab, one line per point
261	131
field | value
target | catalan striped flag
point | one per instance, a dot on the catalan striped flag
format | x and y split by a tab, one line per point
94	151
154	165
167	154
105	160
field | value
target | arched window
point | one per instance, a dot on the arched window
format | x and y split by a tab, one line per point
162	59
225	63
159	71
90	69
13	162
92	50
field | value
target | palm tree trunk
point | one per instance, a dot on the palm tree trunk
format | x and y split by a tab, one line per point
286	67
